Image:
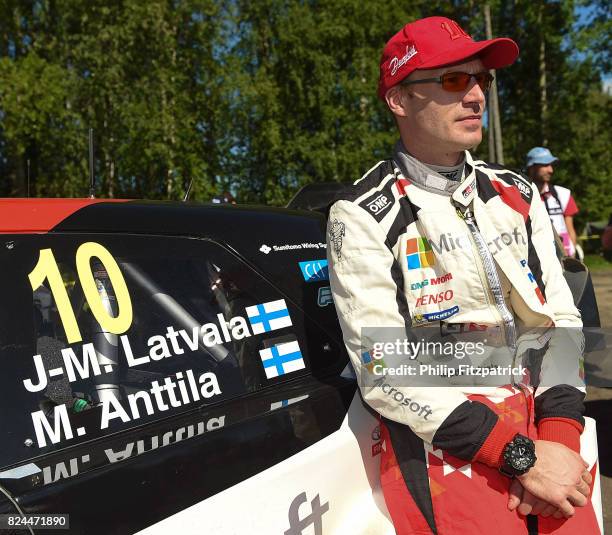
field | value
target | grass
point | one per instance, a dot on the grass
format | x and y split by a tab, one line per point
597	262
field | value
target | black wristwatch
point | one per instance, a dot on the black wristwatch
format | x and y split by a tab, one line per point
518	456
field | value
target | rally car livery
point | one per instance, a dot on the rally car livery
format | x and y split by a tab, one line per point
157	354
175	367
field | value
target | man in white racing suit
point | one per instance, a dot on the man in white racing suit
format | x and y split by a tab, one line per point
432	239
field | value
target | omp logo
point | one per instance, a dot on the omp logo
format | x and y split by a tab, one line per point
419	253
314	270
379	204
434	298
522	187
297	525
433	281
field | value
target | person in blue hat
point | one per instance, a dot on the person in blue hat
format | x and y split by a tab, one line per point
558	200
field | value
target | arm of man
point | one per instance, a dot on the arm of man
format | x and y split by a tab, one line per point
569	223
367	286
568	215
558	478
559	398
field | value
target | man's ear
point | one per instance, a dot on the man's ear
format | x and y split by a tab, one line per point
396	100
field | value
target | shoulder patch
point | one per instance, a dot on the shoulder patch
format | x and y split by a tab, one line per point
511	196
520	182
510	177
377	199
379	202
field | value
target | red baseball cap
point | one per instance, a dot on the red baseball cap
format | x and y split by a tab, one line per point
435	42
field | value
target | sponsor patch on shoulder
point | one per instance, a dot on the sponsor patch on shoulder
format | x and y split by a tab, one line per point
522	187
379	204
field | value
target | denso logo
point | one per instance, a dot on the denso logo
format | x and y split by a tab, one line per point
379	204
433	281
434	298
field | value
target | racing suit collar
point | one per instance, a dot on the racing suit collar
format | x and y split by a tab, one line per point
424	177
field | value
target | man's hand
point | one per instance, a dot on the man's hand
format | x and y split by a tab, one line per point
528	504
558	481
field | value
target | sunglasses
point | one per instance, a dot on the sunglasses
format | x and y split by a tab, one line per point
457	81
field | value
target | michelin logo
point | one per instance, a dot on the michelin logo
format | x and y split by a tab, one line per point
442	315
436	316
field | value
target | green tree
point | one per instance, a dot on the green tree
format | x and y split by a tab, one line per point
306	108
260	98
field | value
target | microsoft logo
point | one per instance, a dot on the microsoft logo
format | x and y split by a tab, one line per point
419	253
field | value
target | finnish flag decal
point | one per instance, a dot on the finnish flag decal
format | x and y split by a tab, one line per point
282	359
269	316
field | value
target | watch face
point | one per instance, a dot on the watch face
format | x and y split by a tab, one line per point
521	458
520	455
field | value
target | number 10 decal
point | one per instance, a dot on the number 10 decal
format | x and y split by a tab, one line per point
47	268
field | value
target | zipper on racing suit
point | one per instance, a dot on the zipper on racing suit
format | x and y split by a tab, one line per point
492	278
496	289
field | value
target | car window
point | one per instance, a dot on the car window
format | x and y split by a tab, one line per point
99	333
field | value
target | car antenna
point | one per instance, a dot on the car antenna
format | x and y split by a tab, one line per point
92	178
28	163
188	192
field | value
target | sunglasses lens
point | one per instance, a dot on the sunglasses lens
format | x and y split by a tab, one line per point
455	81
458	81
484	80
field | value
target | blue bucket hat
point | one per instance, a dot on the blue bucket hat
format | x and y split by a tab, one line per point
540	156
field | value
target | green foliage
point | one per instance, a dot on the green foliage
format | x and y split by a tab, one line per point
260	98
574	126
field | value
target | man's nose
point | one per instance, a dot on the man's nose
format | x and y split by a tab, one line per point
474	93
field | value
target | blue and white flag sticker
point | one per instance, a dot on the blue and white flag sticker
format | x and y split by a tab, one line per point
281	359
269	316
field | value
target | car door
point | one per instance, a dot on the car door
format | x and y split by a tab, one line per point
146	374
